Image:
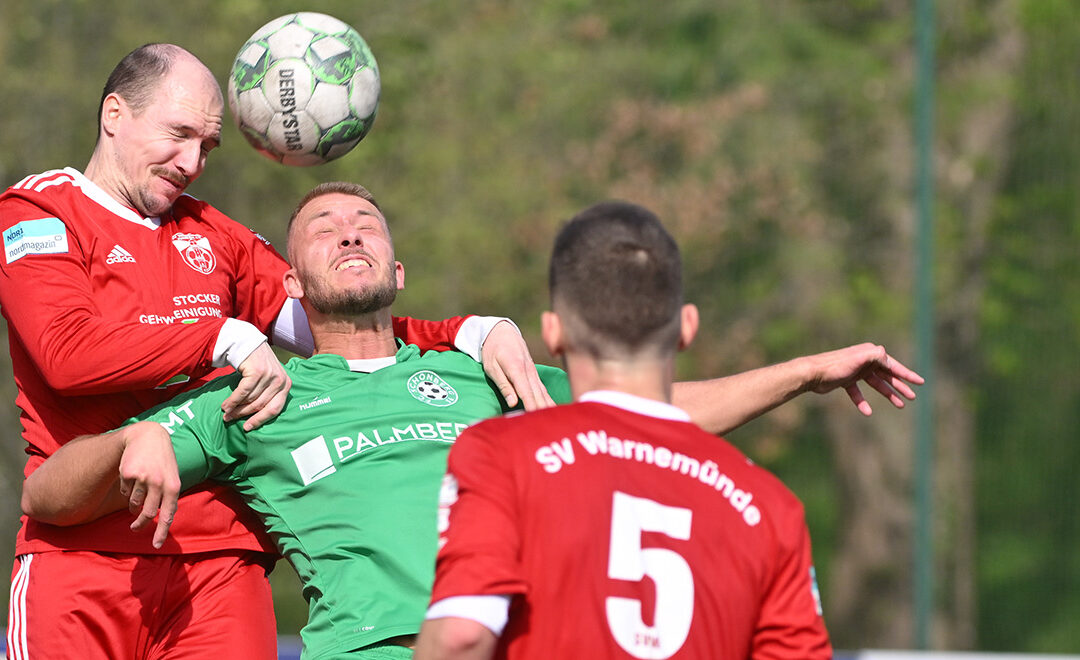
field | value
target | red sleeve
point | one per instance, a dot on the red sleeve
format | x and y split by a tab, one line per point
48	303
790	626
428	335
479	548
259	270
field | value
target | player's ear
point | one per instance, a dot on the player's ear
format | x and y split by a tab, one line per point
112	109
399	275
551	331
293	288
689	320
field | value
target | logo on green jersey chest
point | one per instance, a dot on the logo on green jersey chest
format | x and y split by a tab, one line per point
427	387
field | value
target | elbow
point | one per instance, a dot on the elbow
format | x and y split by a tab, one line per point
64	381
59	364
79	378
68	380
52	516
30	503
454	637
32	507
458	640
27	504
49	510
78	369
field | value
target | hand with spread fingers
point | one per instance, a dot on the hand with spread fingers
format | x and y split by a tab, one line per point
867	363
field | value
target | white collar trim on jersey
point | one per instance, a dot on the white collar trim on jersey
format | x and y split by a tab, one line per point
94	192
369	365
637	404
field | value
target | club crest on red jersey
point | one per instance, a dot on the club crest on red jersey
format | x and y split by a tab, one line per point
195	249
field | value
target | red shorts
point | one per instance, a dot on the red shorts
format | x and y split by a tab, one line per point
90	605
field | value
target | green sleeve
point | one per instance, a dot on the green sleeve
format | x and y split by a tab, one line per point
205	446
556	382
553	378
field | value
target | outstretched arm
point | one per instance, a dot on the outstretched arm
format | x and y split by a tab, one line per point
723	404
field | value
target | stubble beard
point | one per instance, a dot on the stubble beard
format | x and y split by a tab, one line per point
152	205
350	303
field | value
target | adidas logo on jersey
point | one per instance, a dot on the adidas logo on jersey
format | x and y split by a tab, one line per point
119	255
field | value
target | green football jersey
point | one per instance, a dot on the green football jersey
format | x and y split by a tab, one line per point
346	479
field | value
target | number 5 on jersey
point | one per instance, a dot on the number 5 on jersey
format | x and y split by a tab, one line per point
627	560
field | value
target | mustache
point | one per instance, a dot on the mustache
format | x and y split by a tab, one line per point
349	253
173	176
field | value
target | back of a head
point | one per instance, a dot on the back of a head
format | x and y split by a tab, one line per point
616	281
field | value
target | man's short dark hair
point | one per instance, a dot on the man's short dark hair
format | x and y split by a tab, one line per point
616	281
136	78
329	188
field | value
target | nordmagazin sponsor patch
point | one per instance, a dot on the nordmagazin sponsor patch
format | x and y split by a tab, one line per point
42	236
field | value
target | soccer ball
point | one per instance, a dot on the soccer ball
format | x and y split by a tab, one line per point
304	89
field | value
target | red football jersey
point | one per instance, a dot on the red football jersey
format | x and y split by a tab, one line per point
110	313
625	531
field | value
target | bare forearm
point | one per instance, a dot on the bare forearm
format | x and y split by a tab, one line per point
720	405
723	404
78	483
453	638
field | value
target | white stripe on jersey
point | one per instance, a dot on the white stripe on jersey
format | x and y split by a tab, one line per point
37	182
72	176
16	633
38	187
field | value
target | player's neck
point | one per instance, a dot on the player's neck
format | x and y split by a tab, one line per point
105	177
647	378
355	338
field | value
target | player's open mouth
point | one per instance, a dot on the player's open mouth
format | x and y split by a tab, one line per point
354	262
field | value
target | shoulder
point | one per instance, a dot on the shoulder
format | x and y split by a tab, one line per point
557	383
188	209
45	183
735	461
780	507
453	360
515	421
38	192
315	367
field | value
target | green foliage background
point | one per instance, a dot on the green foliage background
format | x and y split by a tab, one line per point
774	137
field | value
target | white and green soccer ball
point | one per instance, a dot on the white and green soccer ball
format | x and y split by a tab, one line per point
304	89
